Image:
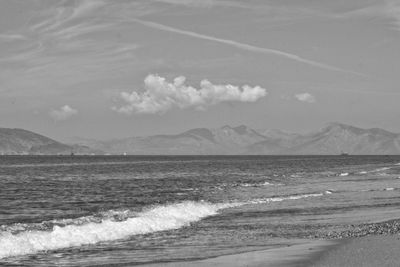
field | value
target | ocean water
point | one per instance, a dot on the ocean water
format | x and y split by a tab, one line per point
133	210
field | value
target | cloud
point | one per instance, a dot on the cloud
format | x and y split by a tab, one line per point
387	9
63	113
194	3
306	97
245	46
392	10
161	95
65	12
11	37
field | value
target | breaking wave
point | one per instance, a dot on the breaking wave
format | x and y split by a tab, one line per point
260	184
22	239
278	199
381	169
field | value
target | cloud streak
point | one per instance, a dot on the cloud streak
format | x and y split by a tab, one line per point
11	37
63	113
161	95
244	46
306	97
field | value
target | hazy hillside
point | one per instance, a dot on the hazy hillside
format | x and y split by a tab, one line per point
333	139
19	141
201	141
337	138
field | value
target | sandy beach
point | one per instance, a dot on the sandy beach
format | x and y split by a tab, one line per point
302	254
368	251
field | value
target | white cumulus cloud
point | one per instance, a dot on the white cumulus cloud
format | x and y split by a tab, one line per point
63	113
306	97
160	95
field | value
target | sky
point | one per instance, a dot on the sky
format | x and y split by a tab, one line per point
110	69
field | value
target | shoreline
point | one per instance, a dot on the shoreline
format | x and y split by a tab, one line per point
368	251
369	244
294	255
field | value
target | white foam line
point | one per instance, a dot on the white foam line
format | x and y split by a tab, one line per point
381	169
159	218
68	164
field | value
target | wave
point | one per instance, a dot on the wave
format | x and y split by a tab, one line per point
29	165
378	171
381	169
224	186
278	199
22	239
255	184
159	218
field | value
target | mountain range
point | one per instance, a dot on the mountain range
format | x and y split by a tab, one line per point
335	138
19	141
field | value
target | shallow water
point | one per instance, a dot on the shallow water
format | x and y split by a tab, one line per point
127	210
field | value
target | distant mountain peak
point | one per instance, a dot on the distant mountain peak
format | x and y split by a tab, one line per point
202	132
379	131
226	127
242	129
333	139
337	126
20	141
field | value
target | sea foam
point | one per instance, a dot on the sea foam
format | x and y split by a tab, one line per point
156	219
381	169
85	232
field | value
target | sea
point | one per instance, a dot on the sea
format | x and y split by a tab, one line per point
138	210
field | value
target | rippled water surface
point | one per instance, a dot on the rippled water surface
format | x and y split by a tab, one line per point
131	210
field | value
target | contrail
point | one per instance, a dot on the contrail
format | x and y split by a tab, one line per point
244	46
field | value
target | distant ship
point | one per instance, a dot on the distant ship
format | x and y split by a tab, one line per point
344	154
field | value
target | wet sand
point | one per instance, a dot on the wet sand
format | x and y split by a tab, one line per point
367	251
295	255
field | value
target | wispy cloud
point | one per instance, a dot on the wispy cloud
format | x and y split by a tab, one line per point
244	46
192	3
306	97
80	29
63	113
392	10
11	37
62	14
70	41
161	95
386	9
